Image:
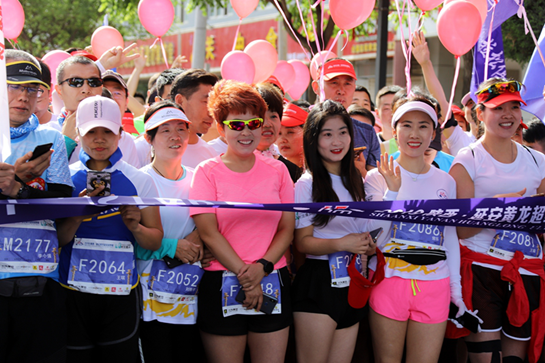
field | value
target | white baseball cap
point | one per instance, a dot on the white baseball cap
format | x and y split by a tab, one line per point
414	106
98	111
163	115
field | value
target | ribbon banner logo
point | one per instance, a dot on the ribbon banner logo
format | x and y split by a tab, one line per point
521	214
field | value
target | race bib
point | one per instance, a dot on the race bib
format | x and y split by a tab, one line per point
29	247
171	285
102	267
506	243
230	288
338	268
418	235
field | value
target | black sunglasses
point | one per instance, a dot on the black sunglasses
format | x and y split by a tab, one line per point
78	82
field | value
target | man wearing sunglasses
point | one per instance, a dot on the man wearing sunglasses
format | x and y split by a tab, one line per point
31	300
79	77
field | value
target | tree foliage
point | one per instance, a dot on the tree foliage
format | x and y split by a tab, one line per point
58	24
517	45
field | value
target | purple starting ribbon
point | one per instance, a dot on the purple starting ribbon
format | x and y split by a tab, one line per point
521	214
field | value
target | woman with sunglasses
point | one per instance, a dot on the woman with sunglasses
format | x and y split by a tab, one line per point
410	307
494	167
250	272
170	276
326	326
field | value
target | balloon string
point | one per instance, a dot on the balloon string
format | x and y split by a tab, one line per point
236	34
322	59
528	28
316	4
322	27
304	26
153	44
489	41
346	41
400	17
13	45
409	53
164	53
289	26
452	91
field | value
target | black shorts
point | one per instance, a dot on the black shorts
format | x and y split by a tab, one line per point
491	295
312	293
33	329
105	322
210	319
161	342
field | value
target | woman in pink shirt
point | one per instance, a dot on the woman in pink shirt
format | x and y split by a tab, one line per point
249	274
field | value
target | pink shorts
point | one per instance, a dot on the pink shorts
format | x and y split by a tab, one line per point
402	299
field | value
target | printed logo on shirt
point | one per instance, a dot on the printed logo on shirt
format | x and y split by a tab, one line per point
442	194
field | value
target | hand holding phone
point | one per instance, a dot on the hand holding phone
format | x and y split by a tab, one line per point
96	179
40	150
267	306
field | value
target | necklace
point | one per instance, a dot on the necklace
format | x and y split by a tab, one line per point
415	178
157	170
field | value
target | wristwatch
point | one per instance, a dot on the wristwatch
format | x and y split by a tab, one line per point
24	192
268	266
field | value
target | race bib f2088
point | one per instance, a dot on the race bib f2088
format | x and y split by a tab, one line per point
230	287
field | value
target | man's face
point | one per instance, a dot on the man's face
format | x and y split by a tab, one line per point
43	100
340	89
385	109
21	104
362	99
196	109
118	92
72	96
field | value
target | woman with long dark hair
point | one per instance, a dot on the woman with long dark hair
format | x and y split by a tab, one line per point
326	326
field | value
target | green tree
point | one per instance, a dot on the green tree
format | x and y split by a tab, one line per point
58	24
517	45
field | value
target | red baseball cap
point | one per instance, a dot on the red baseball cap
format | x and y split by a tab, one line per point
360	287
338	67
499	99
293	116
276	82
85	54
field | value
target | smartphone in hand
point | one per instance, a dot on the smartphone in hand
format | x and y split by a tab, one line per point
97	179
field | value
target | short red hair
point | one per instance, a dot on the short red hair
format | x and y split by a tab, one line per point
229	96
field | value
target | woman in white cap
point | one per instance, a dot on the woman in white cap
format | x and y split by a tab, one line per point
170	276
97	261
422	269
495	167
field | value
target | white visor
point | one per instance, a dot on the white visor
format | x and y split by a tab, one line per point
163	115
414	106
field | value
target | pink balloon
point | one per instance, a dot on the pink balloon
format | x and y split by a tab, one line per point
238	66
317	62
53	59
105	38
465	18
348	14
156	16
13	17
481	5
302	79
264	56
243	8
427	5
285	73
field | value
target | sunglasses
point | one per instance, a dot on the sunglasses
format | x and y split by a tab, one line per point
79	82
501	88
238	125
